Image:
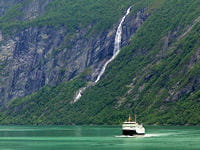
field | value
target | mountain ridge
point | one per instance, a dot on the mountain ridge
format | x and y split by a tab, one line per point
155	75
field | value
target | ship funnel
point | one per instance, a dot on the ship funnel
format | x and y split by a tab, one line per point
129	118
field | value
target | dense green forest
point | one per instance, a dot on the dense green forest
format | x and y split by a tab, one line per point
72	14
160	84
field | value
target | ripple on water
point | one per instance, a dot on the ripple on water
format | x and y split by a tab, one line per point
145	136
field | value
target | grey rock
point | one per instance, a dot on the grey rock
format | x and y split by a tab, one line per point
39	56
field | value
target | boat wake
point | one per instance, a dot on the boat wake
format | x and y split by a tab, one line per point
141	136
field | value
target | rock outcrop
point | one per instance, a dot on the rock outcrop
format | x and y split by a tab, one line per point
37	56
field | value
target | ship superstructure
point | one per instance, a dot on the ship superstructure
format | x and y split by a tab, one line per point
131	128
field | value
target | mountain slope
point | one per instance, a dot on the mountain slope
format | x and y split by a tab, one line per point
55	42
156	76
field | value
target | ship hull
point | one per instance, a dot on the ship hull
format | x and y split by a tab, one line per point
131	132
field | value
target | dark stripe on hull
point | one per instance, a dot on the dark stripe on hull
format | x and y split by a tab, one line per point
130	132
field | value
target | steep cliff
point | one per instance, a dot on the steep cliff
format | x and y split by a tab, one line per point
39	55
155	75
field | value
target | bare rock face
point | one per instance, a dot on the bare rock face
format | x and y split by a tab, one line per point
35	9
131	25
31	8
39	56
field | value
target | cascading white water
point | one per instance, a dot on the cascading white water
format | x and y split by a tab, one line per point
118	39
79	94
117	44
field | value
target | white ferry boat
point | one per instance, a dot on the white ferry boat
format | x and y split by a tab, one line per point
131	128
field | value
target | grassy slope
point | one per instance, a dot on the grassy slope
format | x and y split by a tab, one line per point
72	14
141	68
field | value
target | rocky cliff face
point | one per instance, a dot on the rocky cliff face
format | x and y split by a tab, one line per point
37	56
155	75
30	9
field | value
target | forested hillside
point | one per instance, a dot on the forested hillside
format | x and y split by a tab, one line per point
156	75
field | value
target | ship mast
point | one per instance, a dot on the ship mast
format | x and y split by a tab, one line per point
135	118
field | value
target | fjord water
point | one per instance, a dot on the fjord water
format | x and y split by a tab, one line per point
96	138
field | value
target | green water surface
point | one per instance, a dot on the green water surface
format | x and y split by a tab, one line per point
96	138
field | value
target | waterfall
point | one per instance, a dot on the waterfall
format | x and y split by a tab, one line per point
79	94
117	44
